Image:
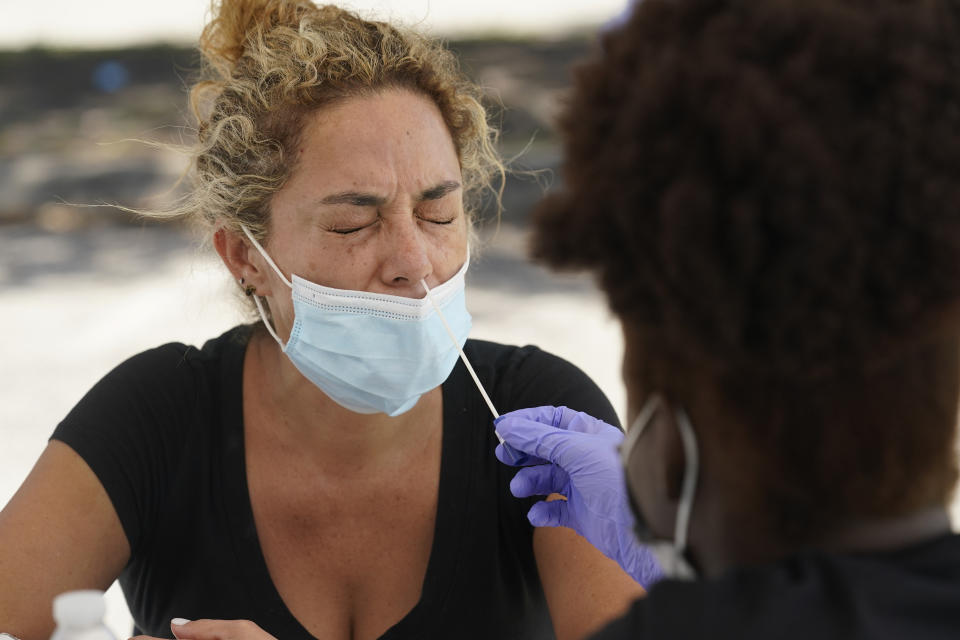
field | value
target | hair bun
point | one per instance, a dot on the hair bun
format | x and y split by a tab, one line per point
234	22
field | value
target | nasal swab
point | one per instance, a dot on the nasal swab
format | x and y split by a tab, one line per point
463	356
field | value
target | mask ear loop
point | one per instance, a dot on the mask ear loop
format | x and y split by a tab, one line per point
256	298
688	441
638	426
265	255
685	507
463	356
266	323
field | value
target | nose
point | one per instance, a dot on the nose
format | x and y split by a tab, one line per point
407	260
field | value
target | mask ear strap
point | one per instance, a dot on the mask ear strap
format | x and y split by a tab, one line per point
685	506
256	298
265	256
266	323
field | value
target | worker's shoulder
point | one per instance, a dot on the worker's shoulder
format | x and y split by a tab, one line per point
912	592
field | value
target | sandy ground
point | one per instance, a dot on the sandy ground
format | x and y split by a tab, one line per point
74	305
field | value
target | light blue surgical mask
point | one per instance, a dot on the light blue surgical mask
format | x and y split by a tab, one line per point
372	352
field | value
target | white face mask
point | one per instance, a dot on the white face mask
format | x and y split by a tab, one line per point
372	352
669	553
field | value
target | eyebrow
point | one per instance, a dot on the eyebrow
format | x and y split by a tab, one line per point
359	199
355	198
442	189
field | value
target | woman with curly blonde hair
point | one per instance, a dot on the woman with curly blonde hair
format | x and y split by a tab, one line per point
328	471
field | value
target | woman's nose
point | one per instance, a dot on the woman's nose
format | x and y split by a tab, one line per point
407	260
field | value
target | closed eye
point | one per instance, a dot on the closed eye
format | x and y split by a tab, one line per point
434	221
343	231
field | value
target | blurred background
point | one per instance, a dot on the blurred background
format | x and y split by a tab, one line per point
82	288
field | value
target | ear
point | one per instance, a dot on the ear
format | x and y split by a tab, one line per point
243	260
675	460
655	472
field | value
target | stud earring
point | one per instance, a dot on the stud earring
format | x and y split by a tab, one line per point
249	289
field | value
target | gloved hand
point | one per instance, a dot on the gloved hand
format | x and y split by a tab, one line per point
575	455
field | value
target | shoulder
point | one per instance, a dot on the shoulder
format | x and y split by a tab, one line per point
176	357
149	417
683	610
528	376
156	383
169	366
911	592
508	356
500	359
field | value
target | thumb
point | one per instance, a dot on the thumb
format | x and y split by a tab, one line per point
218	630
549	514
540	480
540	440
179	628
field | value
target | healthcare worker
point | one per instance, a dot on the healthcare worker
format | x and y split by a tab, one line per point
769	195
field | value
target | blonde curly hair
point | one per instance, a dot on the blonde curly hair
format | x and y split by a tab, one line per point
269	63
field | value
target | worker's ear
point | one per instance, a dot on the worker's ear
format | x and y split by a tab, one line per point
675	459
671	467
655	472
243	260
655	468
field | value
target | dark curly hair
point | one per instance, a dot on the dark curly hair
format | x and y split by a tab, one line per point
769	193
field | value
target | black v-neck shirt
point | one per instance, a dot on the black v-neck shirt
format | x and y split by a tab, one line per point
163	432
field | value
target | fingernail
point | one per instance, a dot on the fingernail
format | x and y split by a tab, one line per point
179	622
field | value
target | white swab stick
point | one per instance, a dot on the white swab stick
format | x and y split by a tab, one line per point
463	356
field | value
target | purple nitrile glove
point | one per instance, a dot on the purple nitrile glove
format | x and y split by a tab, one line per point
575	455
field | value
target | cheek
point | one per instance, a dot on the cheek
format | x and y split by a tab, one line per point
645	477
449	245
342	265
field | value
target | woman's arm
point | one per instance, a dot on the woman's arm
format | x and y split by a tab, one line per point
584	588
59	532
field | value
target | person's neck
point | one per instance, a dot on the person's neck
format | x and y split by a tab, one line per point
873	535
307	418
885	534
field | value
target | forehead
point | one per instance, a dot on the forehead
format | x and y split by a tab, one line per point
394	134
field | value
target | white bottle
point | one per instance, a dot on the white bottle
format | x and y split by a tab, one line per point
79	616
